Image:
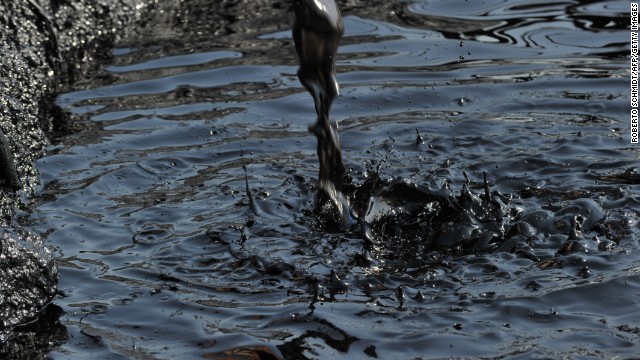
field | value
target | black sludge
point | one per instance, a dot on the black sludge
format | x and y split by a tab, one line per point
401	219
168	248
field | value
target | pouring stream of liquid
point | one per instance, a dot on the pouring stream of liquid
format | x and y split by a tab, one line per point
317	29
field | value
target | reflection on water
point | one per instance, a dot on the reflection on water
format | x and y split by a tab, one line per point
167	247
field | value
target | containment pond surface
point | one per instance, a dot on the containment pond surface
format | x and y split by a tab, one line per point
180	199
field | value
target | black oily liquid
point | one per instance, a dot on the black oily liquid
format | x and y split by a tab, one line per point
398	218
317	29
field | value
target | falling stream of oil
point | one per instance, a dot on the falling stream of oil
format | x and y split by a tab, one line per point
317	29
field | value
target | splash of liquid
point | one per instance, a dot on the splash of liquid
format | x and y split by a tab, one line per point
317	29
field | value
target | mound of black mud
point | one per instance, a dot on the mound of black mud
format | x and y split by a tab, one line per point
401	226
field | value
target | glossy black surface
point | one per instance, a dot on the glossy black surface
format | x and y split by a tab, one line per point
163	254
